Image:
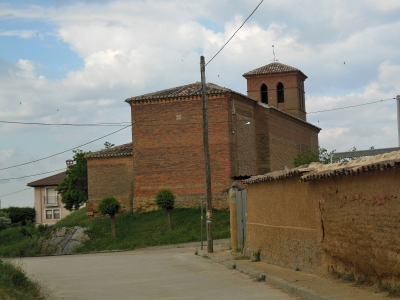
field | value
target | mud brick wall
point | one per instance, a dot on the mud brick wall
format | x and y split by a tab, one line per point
282	224
348	224
168	147
110	177
361	222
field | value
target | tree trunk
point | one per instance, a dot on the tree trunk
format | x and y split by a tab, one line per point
113	229
169	219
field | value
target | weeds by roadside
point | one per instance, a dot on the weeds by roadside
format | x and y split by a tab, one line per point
392	290
14	284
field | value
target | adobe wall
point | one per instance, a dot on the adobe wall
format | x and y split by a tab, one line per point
109	177
168	147
282	224
347	224
361	221
287	138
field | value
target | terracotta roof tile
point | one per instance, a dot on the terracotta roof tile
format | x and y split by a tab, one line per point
117	151
193	89
271	68
49	181
317	171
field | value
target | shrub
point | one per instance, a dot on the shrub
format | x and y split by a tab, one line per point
21	215
110	206
165	199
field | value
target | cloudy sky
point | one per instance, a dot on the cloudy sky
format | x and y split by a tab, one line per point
77	61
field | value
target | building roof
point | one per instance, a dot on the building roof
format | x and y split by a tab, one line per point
272	68
193	89
317	171
117	151
49	181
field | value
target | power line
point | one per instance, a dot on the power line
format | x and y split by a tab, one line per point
15	192
65	150
350	106
234	33
82	144
65	124
32	175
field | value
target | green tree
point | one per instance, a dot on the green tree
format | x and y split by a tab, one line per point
22	215
74	188
308	156
110	206
108	145
165	199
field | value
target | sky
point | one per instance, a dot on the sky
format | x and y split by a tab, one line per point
76	62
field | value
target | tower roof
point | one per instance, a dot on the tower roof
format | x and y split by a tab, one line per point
272	68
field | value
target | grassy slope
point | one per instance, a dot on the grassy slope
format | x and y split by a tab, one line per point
150	229
15	285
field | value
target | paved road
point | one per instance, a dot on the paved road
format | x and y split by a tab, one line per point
153	273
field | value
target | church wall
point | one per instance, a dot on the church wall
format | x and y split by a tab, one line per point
168	149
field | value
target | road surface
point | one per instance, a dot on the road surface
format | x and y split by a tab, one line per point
151	273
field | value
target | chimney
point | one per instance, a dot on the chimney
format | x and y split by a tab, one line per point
69	162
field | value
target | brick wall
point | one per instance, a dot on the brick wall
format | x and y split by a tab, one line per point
293	91
280	138
110	177
168	147
243	137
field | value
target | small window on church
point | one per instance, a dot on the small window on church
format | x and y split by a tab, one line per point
281	97
264	94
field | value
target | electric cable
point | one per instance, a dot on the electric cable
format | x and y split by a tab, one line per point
234	34
32	175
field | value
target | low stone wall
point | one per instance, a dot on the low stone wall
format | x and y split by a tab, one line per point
64	240
220	202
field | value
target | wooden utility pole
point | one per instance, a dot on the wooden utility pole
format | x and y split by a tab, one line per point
206	157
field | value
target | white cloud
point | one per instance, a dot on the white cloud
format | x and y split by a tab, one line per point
135	47
25	34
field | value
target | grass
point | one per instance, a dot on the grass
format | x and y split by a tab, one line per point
135	230
151	229
15	285
392	290
13	243
76	218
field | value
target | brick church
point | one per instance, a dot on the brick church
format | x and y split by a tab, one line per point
249	134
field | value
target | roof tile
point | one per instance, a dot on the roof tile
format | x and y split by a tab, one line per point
193	89
271	68
117	151
317	171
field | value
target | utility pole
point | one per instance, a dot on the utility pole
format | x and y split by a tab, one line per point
206	157
398	117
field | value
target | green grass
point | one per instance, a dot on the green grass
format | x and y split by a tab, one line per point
76	218
134	230
151	229
15	285
15	244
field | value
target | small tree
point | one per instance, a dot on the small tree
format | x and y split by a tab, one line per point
165	199
74	188
308	156
110	206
